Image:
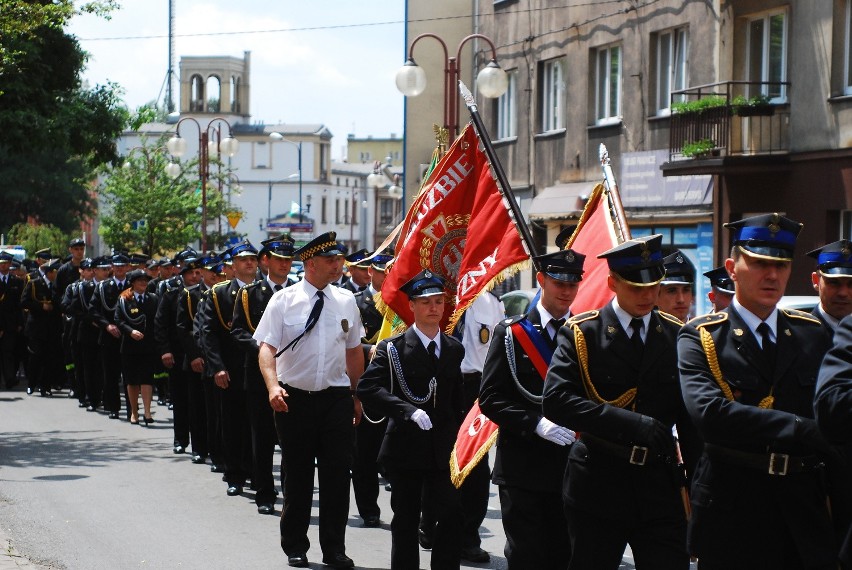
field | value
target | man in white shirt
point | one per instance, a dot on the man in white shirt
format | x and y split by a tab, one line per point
311	359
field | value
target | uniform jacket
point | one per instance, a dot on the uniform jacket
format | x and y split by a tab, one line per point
214	321
102	309
523	459
597	481
405	445
165	323
371	318
726	496
67	274
76	303
41	324
251	303
11	316
187	305
129	316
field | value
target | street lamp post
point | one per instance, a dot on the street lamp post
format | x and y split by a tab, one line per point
177	148
491	80
298	145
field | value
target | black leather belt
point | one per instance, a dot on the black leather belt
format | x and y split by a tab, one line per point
472	376
779	464
339	390
633	454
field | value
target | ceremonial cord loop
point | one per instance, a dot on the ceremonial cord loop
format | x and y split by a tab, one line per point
622	401
713	362
406	391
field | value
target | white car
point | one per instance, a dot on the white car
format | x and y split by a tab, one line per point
805	303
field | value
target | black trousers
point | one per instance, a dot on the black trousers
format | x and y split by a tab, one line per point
111	367
536	529
213	420
93	375
316	429
235	431
406	492
179	392
8	358
79	385
45	363
599	543
261	420
197	413
365	472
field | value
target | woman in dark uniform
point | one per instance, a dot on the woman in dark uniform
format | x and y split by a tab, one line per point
134	316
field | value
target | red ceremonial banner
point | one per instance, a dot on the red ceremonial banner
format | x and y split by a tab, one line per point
457	228
595	234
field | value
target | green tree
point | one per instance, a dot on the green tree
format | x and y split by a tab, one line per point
145	209
39	236
55	132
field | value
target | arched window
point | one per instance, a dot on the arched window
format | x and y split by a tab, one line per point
214	94
196	94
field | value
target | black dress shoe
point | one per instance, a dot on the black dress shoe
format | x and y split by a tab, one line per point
81	404
425	540
474	554
338	560
46	393
90	408
216	469
234	490
266	509
113	415
372	521
197	458
29	391
298	560
178	449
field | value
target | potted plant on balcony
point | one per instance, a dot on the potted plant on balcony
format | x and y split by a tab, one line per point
699	149
696	106
756	106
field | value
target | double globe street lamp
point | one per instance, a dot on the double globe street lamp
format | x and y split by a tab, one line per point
210	141
491	81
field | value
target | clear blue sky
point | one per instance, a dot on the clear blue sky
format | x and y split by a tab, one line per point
321	61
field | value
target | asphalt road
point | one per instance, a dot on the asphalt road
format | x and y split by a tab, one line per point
78	490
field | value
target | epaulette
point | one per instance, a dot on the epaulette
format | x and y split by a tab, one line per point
708	320
793	313
512	320
583	317
669	317
226	282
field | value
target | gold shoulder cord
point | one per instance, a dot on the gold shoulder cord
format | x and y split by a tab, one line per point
189	304
216	305
622	401
713	362
244	299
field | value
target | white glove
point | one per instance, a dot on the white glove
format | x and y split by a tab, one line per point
554	432
422	420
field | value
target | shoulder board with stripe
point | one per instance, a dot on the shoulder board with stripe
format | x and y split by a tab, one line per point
793	313
512	320
708	320
669	317
582	317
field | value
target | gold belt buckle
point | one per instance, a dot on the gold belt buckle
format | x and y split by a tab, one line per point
774	460
638	455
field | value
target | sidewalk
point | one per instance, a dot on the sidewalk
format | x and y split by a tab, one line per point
11	559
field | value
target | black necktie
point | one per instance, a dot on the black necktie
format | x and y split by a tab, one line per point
313	318
636	336
557	324
139	299
432	348
278	288
766	342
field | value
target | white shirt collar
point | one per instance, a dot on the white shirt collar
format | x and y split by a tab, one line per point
624	319
546	317
426	340
752	321
832	322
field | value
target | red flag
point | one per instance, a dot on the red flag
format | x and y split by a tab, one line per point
476	436
458	229
595	234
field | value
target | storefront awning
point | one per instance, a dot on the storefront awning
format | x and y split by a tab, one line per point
561	201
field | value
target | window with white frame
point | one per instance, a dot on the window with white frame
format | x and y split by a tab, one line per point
672	54
767	55
507	112
608	84
847	52
552	88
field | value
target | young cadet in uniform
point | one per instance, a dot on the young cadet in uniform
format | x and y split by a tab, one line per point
87	330
315	332
748	375
721	288
40	301
832	281
359	276
370	432
226	362
102	309
677	289
11	324
248	310
415	380
532	451
72	313
614	379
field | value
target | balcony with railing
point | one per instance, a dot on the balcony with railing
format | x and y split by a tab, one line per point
719	126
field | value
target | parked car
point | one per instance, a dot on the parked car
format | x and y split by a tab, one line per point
805	303
517	302
297	270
